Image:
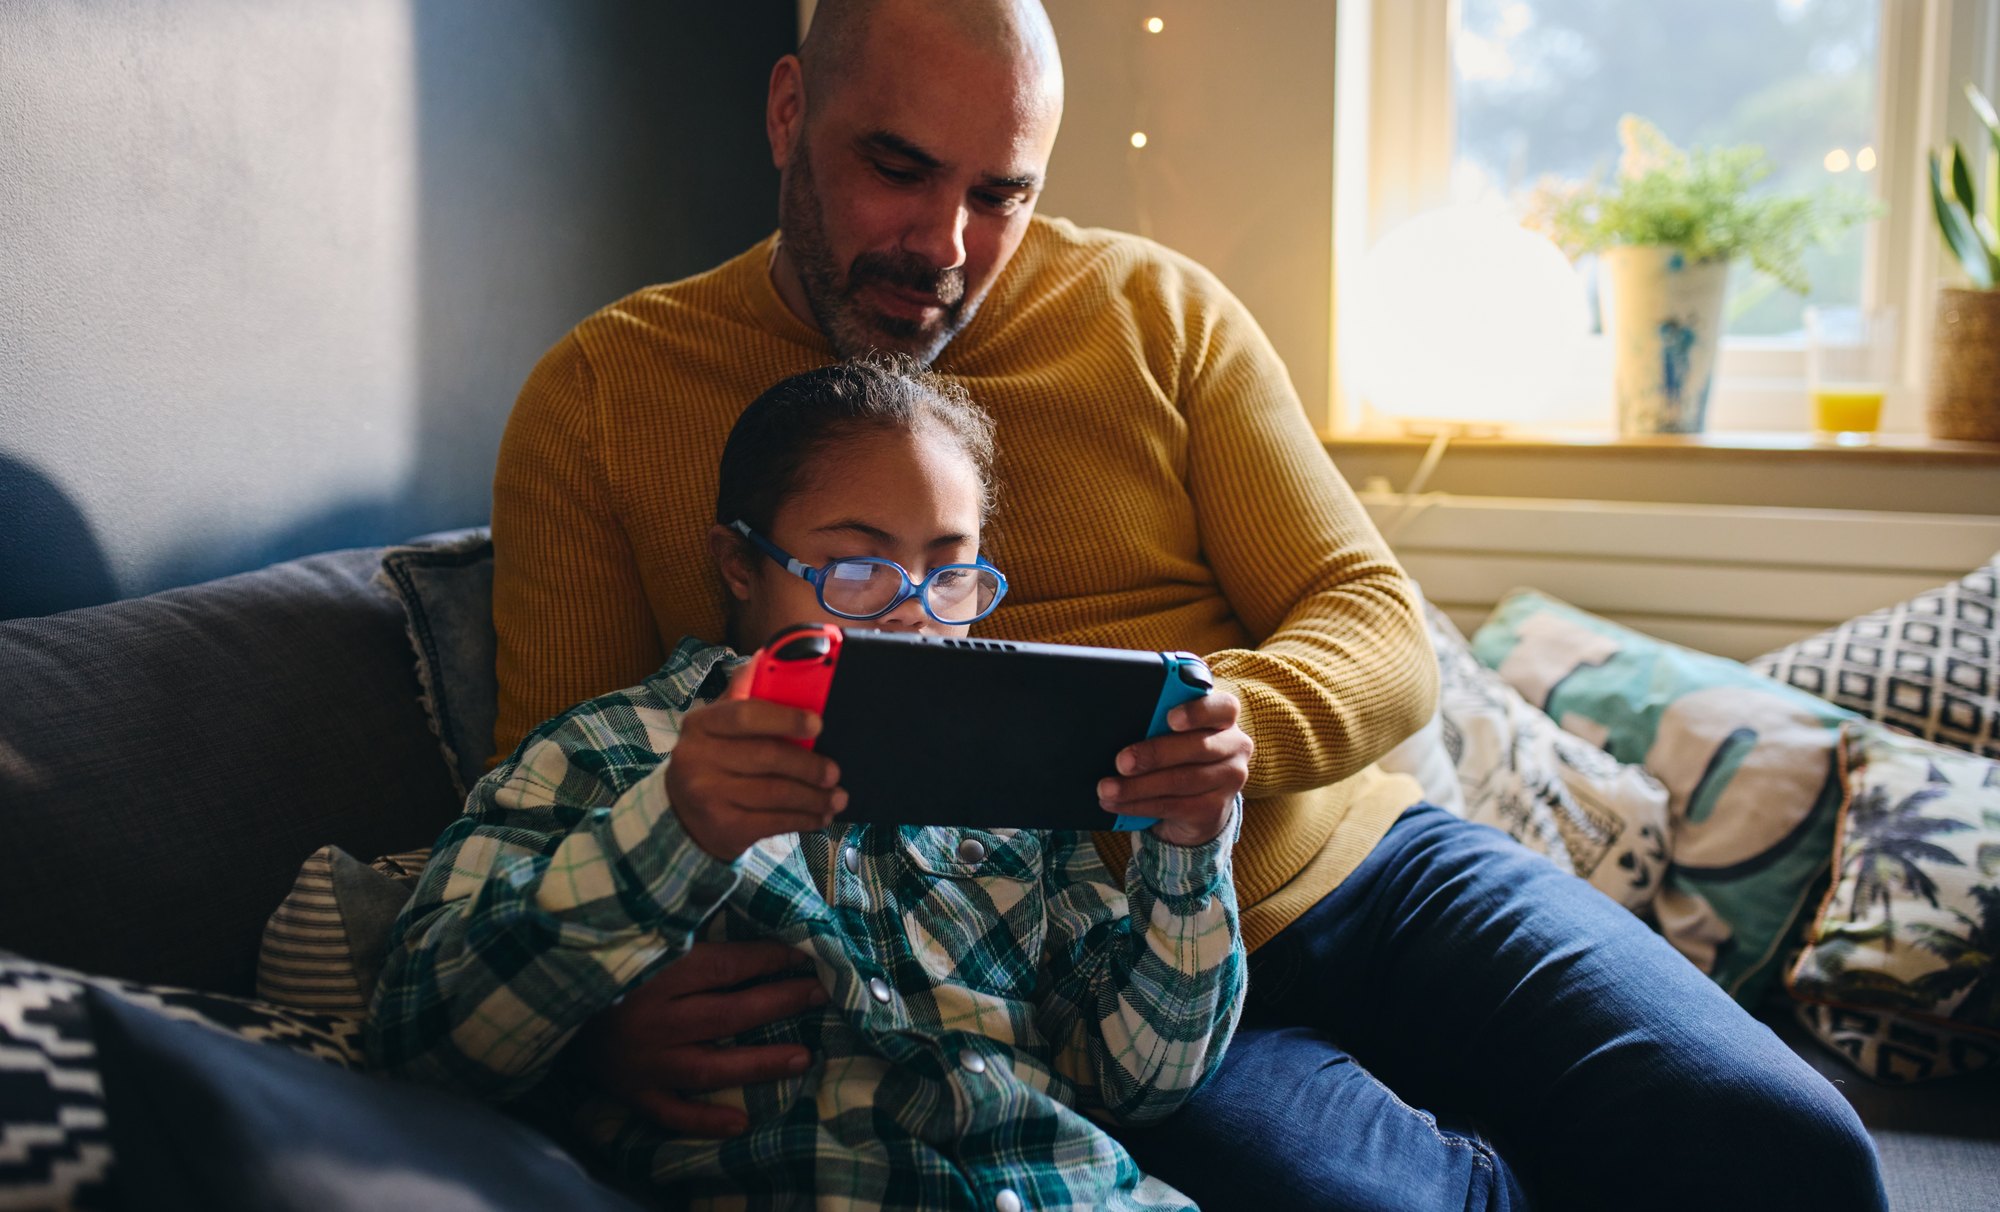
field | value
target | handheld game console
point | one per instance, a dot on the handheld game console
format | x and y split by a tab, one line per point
974	733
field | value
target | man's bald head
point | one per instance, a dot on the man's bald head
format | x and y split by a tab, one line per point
912	140
836	45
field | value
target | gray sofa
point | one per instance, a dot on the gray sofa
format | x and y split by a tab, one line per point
167	762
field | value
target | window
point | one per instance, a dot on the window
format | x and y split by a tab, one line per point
1458	100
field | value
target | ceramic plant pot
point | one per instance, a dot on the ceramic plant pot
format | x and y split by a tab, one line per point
1665	321
1964	398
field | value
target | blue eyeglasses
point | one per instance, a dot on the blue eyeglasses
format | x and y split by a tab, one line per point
867	587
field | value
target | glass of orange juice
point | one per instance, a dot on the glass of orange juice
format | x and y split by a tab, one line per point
1850	362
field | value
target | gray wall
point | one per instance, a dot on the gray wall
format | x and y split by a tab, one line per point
271	272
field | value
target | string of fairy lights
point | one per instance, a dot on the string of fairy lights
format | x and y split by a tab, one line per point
1139	140
1152	25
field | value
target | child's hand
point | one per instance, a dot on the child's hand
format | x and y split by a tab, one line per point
1187	778
734	779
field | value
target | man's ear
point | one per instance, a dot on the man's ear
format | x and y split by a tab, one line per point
785	110
730	560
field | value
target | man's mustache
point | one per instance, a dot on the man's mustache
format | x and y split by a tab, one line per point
907	271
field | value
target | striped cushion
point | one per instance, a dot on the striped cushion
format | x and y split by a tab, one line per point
322	949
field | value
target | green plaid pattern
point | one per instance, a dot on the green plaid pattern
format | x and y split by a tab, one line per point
1027	990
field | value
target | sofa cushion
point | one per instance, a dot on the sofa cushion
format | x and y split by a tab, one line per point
1911	919
55	1140
1491	757
167	762
202	1121
1929	666
115	1094
1895	1049
1749	765
324	947
445	583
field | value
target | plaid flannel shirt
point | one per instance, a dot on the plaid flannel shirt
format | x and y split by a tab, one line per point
987	988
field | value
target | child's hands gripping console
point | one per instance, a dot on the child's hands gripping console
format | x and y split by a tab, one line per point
980	733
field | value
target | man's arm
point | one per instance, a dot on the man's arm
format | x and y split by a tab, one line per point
1342	669
569	610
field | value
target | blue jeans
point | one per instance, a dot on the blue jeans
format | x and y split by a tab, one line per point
1462	1025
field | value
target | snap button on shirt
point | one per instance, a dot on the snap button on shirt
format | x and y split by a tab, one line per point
1007	1201
972	1061
851	858
878	989
971	850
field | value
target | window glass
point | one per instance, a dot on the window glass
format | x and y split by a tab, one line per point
1539	86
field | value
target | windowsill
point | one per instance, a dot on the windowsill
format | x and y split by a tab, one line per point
1889	448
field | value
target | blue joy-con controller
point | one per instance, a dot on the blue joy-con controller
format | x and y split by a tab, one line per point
1187	679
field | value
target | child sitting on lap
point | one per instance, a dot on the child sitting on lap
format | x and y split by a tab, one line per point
985	989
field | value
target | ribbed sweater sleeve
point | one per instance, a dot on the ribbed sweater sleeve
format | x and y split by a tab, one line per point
1339	669
570	614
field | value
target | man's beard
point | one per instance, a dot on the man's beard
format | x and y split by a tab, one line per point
850	326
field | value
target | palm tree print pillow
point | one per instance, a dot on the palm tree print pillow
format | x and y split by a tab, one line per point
1911	922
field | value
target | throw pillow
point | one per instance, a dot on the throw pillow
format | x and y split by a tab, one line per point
1911	921
1424	757
1512	768
202	1121
1929	666
324	946
55	1139
1895	1049
1749	766
445	584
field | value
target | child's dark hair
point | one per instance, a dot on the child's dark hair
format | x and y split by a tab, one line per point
784	430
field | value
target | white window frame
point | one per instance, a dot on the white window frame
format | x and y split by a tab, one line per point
1394	138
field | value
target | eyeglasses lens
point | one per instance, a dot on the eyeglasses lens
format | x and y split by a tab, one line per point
960	595
864	588
860	587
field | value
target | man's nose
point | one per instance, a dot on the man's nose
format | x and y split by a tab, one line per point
938	234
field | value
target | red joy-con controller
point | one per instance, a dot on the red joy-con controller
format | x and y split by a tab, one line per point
796	668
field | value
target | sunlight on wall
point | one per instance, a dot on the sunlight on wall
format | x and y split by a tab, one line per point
210	228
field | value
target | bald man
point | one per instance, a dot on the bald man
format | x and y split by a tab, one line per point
1437	1019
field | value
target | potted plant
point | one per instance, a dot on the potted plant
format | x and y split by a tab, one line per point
1965	345
1666	231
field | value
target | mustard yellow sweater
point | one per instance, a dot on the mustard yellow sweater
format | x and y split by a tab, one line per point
1160	488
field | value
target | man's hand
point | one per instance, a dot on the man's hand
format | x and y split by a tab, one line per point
1189	777
735	779
657	1046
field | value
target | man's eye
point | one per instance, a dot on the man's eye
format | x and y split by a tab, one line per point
1004	204
899	176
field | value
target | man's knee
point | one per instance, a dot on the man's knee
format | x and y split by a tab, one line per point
1795	1139
1292	1122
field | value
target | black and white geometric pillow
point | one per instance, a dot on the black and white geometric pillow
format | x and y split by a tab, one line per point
1929	666
55	1140
1894	1049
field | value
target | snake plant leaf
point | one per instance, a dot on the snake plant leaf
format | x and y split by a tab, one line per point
1988	235
1992	212
1984	108
1959	233
1961	180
